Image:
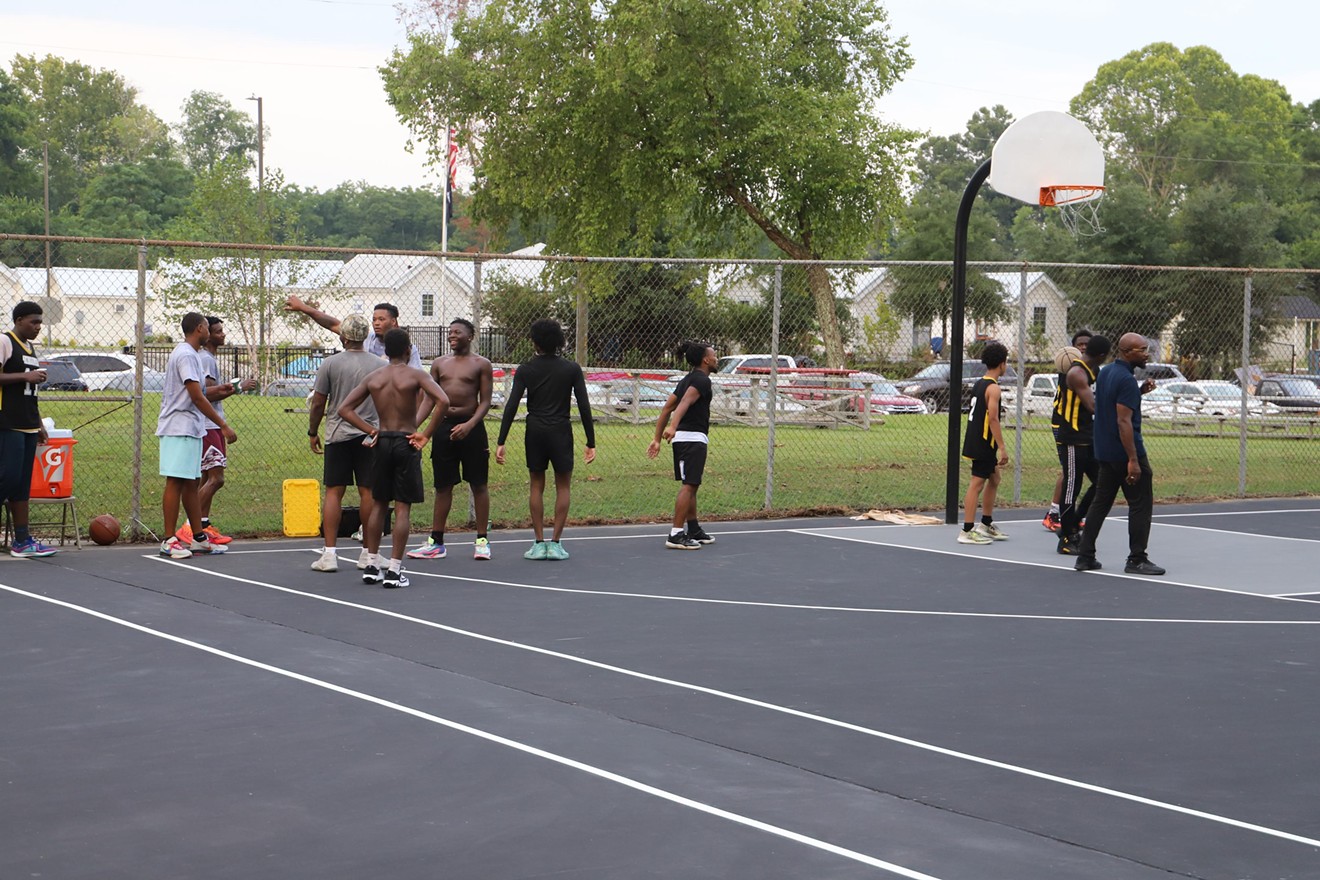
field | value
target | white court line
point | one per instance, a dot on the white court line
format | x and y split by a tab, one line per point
1242	512
590	769
1239	534
772	707
845	609
1102	573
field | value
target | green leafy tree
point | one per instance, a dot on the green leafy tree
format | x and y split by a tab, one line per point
18	175
89	118
612	118
213	129
240	285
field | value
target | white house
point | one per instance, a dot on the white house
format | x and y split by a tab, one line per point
83	307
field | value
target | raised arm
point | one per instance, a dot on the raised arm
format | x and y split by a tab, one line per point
329	322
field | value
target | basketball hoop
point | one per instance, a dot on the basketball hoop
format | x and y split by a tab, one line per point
1078	207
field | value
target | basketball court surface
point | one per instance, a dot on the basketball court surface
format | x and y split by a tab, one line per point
815	698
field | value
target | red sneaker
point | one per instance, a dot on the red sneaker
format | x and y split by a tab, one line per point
1051	522
214	535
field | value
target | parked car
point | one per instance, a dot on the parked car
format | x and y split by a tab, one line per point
851	392
1217	398
103	370
1038	394
1161	404
1291	392
1163	374
61	376
295	386
931	385
755	363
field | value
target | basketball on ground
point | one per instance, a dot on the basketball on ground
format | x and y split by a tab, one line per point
104	529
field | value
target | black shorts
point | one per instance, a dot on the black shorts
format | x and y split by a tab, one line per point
984	467
549	447
348	463
396	473
18	450
689	462
456	460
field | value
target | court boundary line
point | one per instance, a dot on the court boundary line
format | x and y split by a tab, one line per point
772	707
1239	534
1279	597
497	739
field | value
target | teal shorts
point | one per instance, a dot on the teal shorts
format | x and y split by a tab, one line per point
181	457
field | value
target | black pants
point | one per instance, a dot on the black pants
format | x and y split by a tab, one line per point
1077	462
1111	476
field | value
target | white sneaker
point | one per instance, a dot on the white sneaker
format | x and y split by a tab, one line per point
992	531
974	537
326	562
364	559
357	536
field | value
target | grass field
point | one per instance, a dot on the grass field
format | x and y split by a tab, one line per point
900	464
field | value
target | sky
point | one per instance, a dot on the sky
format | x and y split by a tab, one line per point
314	62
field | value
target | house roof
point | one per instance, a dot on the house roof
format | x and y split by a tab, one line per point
1301	307
77	281
297	274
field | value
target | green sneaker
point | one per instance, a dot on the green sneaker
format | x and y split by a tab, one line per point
539	550
556	551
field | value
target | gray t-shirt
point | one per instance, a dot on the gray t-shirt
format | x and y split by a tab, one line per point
211	370
338	375
179	416
376	345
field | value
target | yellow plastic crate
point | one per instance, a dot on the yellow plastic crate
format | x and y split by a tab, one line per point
302	508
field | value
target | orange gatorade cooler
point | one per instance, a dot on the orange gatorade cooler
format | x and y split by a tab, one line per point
52	469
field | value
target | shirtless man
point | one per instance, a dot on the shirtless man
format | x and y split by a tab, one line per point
396	469
460	443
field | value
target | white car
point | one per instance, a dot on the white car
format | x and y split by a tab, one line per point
1217	398
110	370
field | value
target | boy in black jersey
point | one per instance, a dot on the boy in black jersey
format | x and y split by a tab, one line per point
984	446
1074	410
21	429
690	407
548	380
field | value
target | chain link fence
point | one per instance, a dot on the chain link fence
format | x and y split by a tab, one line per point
795	431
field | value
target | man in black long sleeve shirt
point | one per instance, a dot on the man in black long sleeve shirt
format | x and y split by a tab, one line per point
548	380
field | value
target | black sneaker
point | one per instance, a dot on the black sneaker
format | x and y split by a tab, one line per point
1069	545
699	535
1087	563
1144	566
681	541
394	579
371	575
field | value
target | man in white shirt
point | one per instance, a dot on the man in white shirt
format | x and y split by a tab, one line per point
384	318
180	427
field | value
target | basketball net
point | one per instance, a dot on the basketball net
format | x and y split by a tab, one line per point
1078	207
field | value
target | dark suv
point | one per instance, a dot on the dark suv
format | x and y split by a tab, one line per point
61	376
931	385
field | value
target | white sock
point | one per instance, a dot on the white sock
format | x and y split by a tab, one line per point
327	551
674	533
396	565
1054	508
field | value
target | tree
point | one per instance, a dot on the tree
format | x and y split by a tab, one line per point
89	118
238	285
1174	118
212	130
613	117
17	174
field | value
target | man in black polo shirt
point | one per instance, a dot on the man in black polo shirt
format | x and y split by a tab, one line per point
20	424
1121	458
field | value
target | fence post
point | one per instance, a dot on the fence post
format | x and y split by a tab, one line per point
1021	384
774	385
581	322
1246	372
135	500
476	299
